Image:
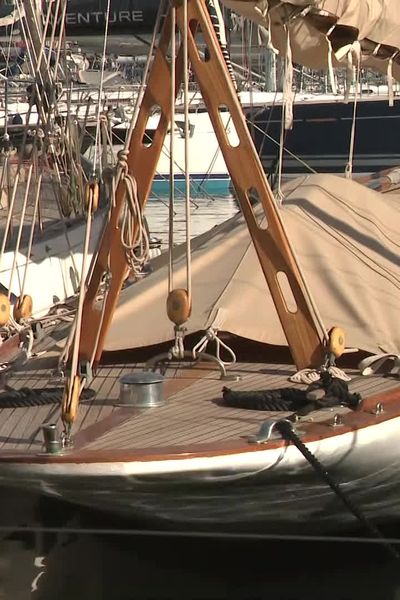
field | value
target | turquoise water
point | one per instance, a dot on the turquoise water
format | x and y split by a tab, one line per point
218	185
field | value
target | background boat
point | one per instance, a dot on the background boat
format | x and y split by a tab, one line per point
320	138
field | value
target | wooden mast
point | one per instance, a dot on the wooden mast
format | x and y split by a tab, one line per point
247	174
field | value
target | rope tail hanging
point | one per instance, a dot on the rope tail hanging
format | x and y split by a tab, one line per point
356	51
287	107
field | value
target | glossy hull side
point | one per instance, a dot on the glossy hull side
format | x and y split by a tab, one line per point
264	489
320	137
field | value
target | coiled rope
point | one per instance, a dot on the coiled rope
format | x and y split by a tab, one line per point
134	234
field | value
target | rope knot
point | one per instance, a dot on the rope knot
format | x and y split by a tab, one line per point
123	160
211	334
178	350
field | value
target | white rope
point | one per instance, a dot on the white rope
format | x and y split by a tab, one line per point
371	364
61	39
187	176
178	349
134	236
211	334
9	215
30	242
308	376
81	298
172	155
390	82
20	229
331	72
34	62
103	62
287	108
357	51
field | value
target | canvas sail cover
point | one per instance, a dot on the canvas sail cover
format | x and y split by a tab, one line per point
347	240
324	29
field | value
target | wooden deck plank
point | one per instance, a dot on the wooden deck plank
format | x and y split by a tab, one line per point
196	418
190	416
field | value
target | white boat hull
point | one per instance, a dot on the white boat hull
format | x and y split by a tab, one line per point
274	489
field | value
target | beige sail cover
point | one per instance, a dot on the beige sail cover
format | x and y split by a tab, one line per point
347	240
318	25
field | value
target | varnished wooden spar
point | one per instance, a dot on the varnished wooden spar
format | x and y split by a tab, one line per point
247	174
142	162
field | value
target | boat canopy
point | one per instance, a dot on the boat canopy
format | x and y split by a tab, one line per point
321	31
346	239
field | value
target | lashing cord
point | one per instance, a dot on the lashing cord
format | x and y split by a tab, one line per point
286	431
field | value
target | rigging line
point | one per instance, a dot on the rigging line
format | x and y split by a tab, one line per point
142	86
9	215
172	153
56	189
349	166
43	45
199	534
9	45
287	99
109	145
61	39
297	158
53	31
4	175
103	64
217	151
20	229
31	63
79	311
252	116
6	90
181	170
187	126
38	183
35	72
106	278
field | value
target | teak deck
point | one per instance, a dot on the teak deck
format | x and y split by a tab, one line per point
191	419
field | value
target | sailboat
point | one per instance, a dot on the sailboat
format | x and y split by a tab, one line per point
185	437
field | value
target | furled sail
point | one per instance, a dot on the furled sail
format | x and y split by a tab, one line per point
324	30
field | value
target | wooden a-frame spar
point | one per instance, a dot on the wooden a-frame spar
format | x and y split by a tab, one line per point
271	243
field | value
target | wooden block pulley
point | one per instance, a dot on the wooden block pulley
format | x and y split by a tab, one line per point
4	309
178	306
336	343
23	308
